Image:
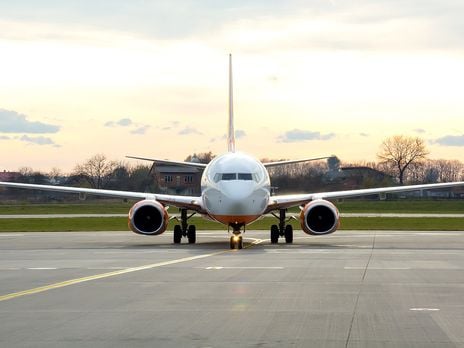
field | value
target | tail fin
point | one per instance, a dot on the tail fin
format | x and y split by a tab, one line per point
231	135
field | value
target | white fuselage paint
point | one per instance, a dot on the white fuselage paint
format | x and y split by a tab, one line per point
235	189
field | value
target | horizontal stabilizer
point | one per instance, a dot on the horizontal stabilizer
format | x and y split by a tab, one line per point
280	163
168	162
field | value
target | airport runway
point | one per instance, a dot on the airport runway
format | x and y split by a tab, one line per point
117	289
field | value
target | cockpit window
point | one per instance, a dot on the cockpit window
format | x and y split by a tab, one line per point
236	176
229	176
245	176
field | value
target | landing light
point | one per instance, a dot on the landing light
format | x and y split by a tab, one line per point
236	238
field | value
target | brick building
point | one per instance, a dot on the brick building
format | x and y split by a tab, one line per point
180	180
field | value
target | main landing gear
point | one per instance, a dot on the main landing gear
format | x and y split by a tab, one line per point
282	230
184	229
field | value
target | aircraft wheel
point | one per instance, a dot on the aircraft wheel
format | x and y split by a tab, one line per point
240	243
177	234
289	234
274	234
232	242
192	234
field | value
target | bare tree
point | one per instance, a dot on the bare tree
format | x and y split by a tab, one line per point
202	157
97	171
400	152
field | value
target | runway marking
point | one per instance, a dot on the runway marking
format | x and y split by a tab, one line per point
379	268
225	267
116	273
425	309
41	268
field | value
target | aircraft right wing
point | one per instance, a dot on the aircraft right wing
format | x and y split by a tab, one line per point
287	201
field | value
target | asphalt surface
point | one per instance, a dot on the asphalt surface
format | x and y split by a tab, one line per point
117	289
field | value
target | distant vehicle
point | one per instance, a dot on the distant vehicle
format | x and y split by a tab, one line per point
235	191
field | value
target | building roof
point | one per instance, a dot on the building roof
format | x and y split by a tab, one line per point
176	169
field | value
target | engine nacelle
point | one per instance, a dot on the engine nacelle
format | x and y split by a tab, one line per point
319	217
148	217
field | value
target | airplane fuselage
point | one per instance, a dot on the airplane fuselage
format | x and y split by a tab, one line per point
235	189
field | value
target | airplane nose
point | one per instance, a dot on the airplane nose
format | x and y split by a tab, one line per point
237	193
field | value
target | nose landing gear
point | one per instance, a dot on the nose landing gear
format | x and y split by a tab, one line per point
236	241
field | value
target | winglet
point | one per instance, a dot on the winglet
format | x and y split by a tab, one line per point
231	133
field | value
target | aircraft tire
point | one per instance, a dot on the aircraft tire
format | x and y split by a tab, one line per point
192	234
232	242
240	243
289	234
274	234
177	234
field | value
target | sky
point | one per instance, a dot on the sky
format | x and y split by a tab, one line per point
150	78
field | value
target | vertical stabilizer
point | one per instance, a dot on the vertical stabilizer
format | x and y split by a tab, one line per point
231	133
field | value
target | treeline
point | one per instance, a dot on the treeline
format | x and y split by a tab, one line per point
401	160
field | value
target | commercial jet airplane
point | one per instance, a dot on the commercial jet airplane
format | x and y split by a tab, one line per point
235	191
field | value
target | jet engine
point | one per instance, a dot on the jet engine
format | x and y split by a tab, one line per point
319	217
148	217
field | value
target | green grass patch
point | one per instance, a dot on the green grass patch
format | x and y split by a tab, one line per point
345	206
399	206
102	207
120	224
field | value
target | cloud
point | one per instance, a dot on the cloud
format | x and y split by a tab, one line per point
239	133
172	125
13	122
297	135
38	140
450	140
141	130
123	122
4	137
189	130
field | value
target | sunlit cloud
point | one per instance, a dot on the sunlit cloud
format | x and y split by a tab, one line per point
297	135
189	130
450	140
38	140
123	122
13	122
141	130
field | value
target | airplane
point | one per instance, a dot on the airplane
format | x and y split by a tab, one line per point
235	191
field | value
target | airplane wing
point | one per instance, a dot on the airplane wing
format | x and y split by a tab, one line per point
187	202
169	162
287	201
279	163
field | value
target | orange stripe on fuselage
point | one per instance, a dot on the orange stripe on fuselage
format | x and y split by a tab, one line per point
233	219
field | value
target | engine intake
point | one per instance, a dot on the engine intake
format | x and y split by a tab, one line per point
148	217
319	217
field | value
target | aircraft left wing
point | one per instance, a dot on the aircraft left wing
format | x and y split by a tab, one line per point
287	201
187	202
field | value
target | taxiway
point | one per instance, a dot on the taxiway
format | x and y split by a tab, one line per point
117	289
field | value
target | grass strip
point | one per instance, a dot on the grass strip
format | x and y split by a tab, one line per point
120	224
345	206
